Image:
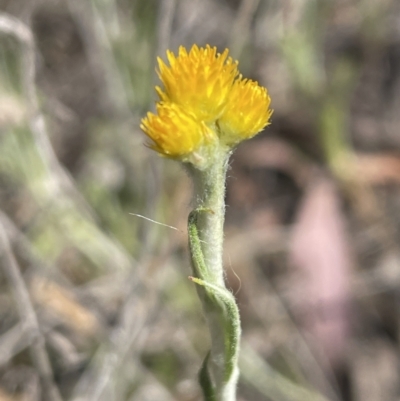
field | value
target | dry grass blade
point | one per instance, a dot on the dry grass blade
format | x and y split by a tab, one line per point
13	341
271	383
28	317
60	178
242	25
165	19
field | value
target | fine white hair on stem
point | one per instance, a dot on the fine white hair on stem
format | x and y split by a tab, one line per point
154	221
235	274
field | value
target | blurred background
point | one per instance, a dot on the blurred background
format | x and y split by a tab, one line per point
95	303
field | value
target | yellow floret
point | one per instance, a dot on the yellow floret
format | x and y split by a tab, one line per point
246	113
199	80
175	132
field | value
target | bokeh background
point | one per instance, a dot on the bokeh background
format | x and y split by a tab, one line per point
95	303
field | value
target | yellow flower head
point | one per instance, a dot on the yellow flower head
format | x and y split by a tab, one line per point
205	108
247	112
199	80
175	132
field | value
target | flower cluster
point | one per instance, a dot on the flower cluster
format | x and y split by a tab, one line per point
205	105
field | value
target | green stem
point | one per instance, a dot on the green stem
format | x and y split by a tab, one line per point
219	374
209	193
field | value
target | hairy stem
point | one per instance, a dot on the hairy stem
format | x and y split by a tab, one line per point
218	376
209	193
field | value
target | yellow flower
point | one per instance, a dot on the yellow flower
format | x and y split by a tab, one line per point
175	132
199	81
205	108
246	113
